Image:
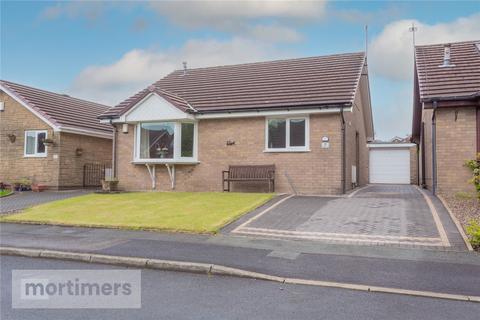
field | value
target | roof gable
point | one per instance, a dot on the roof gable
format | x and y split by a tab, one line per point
154	107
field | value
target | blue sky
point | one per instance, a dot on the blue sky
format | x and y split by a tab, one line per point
105	51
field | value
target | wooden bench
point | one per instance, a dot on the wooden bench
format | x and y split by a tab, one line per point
250	173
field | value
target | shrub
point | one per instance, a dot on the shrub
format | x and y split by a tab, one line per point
473	231
474	165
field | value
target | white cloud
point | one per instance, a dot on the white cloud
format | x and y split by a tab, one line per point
90	10
391	52
138	68
275	33
231	14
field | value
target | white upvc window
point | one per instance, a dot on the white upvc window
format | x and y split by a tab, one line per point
34	146
166	142
287	134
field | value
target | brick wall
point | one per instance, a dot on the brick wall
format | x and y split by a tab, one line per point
94	150
355	123
61	167
456	143
316	172
414	165
428	174
13	165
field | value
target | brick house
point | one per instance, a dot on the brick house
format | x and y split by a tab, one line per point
310	117
69	126
446	120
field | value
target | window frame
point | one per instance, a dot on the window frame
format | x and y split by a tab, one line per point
289	148
177	140
36	154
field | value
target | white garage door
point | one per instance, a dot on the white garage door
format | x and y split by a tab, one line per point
389	165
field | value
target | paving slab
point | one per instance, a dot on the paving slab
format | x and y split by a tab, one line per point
394	215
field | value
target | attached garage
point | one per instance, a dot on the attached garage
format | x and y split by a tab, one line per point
390	163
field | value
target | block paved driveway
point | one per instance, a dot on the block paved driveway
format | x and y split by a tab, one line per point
376	214
25	199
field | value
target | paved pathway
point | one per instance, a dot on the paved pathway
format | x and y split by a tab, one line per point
22	200
377	214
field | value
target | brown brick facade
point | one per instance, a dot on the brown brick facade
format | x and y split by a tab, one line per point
456	143
456	131
61	167
317	171
414	165
356	146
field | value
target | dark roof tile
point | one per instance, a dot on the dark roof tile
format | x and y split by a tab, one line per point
314	81
62	110
460	80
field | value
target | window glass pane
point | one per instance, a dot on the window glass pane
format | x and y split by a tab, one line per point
277	133
187	140
156	140
40	138
297	132
30	143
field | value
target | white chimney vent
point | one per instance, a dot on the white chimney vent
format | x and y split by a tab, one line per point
446	56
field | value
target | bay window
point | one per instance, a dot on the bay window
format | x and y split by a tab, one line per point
287	134
166	142
34	146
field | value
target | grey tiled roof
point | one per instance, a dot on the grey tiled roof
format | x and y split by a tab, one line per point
315	81
459	80
62	110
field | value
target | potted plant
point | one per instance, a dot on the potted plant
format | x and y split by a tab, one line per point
109	184
23	184
38	187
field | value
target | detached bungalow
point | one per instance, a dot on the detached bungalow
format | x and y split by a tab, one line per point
311	118
446	117
49	138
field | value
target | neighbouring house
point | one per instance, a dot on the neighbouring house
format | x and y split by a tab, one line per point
310	117
49	138
446	120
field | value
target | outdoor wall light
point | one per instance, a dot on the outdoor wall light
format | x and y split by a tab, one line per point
230	142
125	128
79	152
12	137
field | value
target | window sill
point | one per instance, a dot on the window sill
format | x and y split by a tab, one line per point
164	161
35	156
285	150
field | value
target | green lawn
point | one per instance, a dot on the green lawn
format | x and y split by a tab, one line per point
5	192
204	212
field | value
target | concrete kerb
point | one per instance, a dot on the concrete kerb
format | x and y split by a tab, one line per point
212	269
